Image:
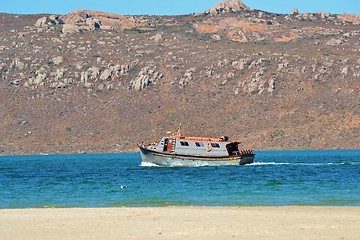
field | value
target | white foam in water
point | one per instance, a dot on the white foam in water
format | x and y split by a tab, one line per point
268	163
148	164
304	164
320	164
175	164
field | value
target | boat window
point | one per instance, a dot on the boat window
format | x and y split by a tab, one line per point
215	145
184	143
199	144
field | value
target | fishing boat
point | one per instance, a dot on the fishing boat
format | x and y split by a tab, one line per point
176	150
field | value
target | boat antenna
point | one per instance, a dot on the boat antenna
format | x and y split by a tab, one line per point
179	130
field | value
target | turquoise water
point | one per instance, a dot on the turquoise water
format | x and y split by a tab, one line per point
330	178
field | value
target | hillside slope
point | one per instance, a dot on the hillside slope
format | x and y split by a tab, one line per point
98	82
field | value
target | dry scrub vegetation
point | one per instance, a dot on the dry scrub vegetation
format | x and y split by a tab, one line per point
98	82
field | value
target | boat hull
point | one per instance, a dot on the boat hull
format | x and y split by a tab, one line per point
174	160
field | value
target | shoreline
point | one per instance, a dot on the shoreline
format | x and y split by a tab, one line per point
258	222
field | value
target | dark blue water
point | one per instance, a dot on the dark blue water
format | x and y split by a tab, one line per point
330	178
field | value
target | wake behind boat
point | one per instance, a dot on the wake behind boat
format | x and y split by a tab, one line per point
177	150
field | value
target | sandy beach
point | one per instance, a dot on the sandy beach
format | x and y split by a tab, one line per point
182	223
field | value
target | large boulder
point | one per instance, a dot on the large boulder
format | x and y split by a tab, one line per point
295	11
58	60
157	38
70	28
48	21
41	22
106	75
227	6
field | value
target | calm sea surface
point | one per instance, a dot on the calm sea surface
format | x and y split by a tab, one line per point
330	178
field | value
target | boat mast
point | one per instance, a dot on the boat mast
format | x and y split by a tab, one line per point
179	130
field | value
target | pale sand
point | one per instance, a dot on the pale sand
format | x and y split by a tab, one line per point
182	223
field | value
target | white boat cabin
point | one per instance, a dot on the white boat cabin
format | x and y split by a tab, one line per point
196	146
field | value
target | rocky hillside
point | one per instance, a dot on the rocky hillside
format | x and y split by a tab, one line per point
98	82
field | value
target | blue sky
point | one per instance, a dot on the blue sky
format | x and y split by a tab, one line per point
172	7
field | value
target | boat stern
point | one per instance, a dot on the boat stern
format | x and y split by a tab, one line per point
246	157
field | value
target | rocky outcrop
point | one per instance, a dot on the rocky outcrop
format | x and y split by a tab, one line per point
17	64
90	20
295	11
41	22
58	60
146	78
104	78
47	23
227	6
157	38
236	29
258	82
71	28
184	79
84	20
352	18
241	64
37	81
